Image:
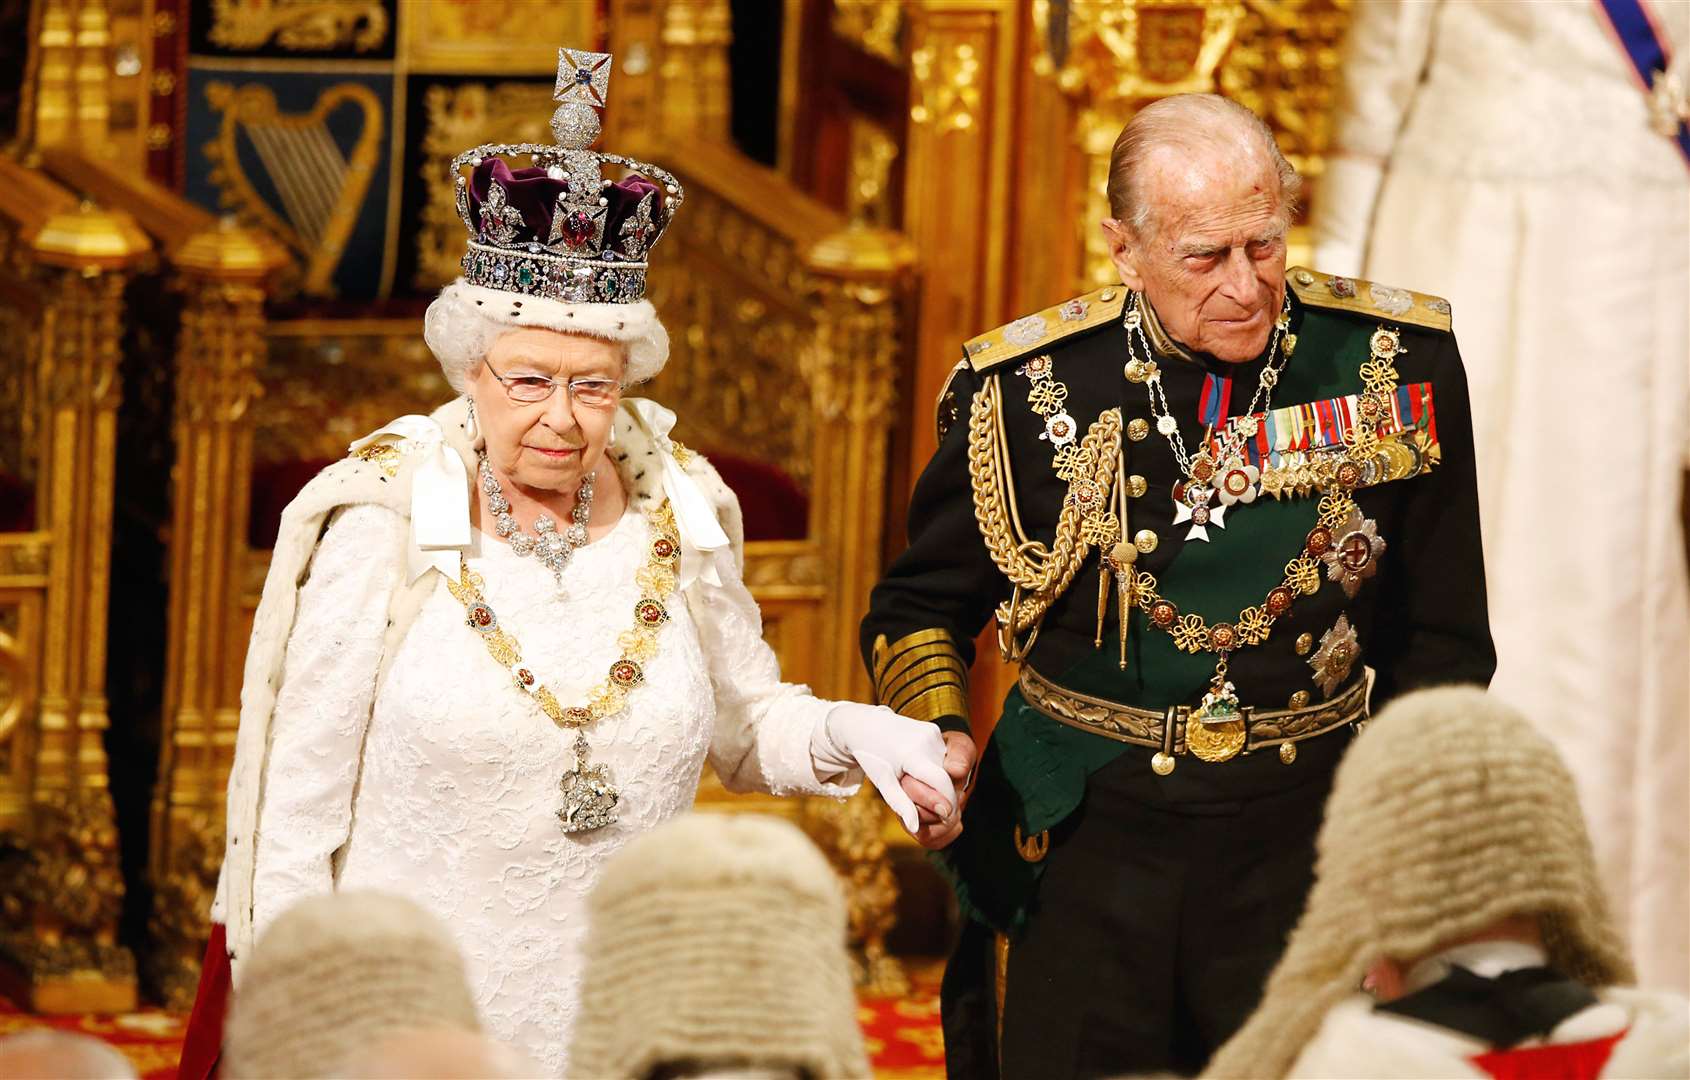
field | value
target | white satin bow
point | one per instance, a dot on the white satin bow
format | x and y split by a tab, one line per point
439	497
702	538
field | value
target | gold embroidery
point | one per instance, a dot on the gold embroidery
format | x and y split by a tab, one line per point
1038	573
921	675
385	456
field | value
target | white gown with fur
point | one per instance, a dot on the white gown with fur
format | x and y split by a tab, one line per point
456	804
1501	155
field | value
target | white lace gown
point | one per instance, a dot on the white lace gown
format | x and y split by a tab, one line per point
456	803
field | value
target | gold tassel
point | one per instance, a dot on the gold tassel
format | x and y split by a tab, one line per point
1124	597
1102	597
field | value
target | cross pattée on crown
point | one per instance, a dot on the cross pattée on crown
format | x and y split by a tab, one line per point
583	86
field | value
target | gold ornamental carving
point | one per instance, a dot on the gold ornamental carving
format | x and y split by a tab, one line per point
693	68
947	86
868	174
220	348
728	294
19	342
222	334
182	894
464	37
316	218
66	96
874	26
849	832
363	374
455	117
1140	49
20	614
61	893
785	565
1285	68
299	25
1279	58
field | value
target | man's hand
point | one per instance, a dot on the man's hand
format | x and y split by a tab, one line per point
904	759
937	831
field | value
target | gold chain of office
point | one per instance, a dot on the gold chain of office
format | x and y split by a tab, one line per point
1086	522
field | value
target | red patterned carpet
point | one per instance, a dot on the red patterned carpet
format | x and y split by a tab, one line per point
902	1033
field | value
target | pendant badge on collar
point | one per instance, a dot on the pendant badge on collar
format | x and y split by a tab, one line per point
1215	730
1196	503
1217	477
589	793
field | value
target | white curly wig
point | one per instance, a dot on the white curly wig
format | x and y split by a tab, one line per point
464	320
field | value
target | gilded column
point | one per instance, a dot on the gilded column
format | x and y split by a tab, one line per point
696	99
860	282
68	95
218	353
861	279
61	889
961	199
957	185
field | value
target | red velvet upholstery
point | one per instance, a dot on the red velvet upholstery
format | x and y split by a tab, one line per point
273	487
17	504
775	508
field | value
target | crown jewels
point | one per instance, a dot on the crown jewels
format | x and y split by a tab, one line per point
559	229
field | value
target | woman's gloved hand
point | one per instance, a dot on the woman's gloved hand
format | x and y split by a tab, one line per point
887	747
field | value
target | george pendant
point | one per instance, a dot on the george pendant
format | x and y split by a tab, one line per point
1191	503
1215	730
589	796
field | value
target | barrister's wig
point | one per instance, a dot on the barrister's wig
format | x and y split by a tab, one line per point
718	943
556	245
1448	815
336	974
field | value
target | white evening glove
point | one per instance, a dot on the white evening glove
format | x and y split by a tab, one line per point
885	746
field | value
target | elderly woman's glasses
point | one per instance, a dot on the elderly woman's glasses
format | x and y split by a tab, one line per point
594	393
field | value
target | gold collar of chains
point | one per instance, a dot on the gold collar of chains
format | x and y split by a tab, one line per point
1091	466
590	796
1038	574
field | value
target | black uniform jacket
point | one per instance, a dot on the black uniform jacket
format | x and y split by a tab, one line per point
1418	617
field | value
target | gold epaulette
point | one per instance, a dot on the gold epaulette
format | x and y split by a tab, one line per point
1037	333
1369	298
921	675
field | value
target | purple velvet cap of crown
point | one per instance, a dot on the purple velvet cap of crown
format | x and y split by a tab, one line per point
534	195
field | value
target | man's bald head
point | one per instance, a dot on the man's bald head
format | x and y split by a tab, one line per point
1171	144
1202	201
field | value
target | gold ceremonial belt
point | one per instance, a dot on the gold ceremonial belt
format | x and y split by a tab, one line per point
1166	730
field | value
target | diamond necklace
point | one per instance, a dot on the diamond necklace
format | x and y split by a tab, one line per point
551	547
1192	499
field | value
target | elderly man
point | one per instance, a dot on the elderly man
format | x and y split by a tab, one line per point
1200	506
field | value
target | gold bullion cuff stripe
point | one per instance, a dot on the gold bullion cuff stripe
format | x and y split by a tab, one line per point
1039	332
1369	298
921	675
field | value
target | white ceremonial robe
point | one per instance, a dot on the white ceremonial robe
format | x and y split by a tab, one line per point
1500	155
429	774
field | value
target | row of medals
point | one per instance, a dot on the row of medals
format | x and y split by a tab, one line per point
1215	729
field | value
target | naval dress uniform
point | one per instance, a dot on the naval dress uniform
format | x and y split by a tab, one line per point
1289	550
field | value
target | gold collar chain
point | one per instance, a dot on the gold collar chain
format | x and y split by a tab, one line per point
590	797
1343	540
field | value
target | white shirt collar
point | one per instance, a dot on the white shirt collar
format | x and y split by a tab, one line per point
1486	958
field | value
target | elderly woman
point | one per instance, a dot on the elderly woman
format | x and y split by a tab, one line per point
498	642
